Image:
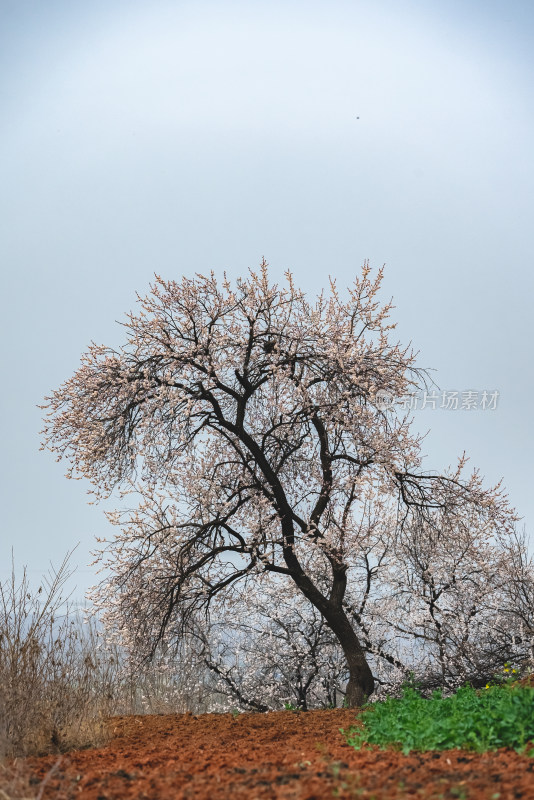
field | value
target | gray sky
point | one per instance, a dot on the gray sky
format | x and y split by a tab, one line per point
180	137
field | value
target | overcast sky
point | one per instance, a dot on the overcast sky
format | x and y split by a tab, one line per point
181	137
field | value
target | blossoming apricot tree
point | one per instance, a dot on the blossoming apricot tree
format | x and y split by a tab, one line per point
247	421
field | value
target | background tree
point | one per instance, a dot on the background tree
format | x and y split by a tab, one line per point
250	423
444	607
271	648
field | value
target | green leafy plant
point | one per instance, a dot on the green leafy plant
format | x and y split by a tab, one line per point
290	707
498	716
411	682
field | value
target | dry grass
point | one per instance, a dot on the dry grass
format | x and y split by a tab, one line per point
16	784
60	682
56	683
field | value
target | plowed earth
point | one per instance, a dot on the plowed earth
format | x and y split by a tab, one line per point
282	754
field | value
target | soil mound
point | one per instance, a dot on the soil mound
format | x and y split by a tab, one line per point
283	754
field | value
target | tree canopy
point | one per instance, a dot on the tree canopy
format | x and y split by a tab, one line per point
248	422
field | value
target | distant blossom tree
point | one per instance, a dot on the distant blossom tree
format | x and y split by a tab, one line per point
248	422
270	648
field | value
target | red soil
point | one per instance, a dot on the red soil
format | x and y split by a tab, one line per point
282	754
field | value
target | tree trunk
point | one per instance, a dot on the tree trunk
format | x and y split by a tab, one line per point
361	683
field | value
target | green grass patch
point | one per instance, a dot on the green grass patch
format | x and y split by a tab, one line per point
498	716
